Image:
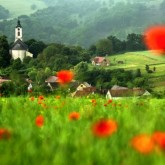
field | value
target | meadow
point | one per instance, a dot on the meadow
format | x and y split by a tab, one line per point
139	60
74	131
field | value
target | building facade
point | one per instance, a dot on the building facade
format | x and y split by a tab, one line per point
19	49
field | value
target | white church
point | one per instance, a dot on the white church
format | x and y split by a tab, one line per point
19	49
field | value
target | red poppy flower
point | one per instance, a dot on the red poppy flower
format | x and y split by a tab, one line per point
65	76
104	128
154	38
58	97
4	134
143	143
74	116
109	101
32	98
39	121
159	139
41	97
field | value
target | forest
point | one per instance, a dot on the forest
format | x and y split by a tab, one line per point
50	58
85	22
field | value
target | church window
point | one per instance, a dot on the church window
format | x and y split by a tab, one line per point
18	33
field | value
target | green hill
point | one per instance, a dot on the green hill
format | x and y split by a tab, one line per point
22	7
81	22
135	60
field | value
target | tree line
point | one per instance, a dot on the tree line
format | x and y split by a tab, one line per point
50	58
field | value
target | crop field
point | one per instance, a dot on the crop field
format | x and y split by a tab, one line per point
60	130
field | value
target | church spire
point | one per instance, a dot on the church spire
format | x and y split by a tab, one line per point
18	31
18	24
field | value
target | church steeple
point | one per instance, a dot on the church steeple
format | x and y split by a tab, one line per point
18	31
18	24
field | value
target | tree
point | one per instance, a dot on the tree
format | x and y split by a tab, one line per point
4	52
36	47
138	73
147	68
135	42
80	70
104	47
117	44
17	64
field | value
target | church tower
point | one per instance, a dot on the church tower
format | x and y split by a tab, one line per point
19	49
18	31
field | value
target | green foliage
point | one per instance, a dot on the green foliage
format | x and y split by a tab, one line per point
4	52
84	23
104	47
35	47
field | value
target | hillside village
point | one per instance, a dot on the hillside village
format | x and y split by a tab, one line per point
21	57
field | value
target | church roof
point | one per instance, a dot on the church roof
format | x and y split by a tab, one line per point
19	45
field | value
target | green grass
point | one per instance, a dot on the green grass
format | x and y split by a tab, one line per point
135	60
64	142
21	7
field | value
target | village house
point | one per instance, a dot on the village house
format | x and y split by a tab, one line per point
84	89
2	80
52	82
19	49
118	92
100	61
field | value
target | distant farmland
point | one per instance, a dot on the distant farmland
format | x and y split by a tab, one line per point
135	60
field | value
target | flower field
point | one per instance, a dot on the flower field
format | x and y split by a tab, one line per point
81	131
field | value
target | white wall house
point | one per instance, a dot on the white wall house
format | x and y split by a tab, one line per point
19	49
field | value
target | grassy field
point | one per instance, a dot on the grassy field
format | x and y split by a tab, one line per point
21	7
135	60
42	131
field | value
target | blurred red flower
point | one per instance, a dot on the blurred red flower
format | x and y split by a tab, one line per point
4	134
58	97
74	116
143	143
159	139
109	101
41	97
65	76
104	128
154	38
32	98
39	121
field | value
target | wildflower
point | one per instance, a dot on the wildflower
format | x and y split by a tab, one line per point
143	143
109	101
41	98
93	102
159	139
104	128
105	105
4	134
58	97
74	116
43	105
154	38
32	98
39	121
64	76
